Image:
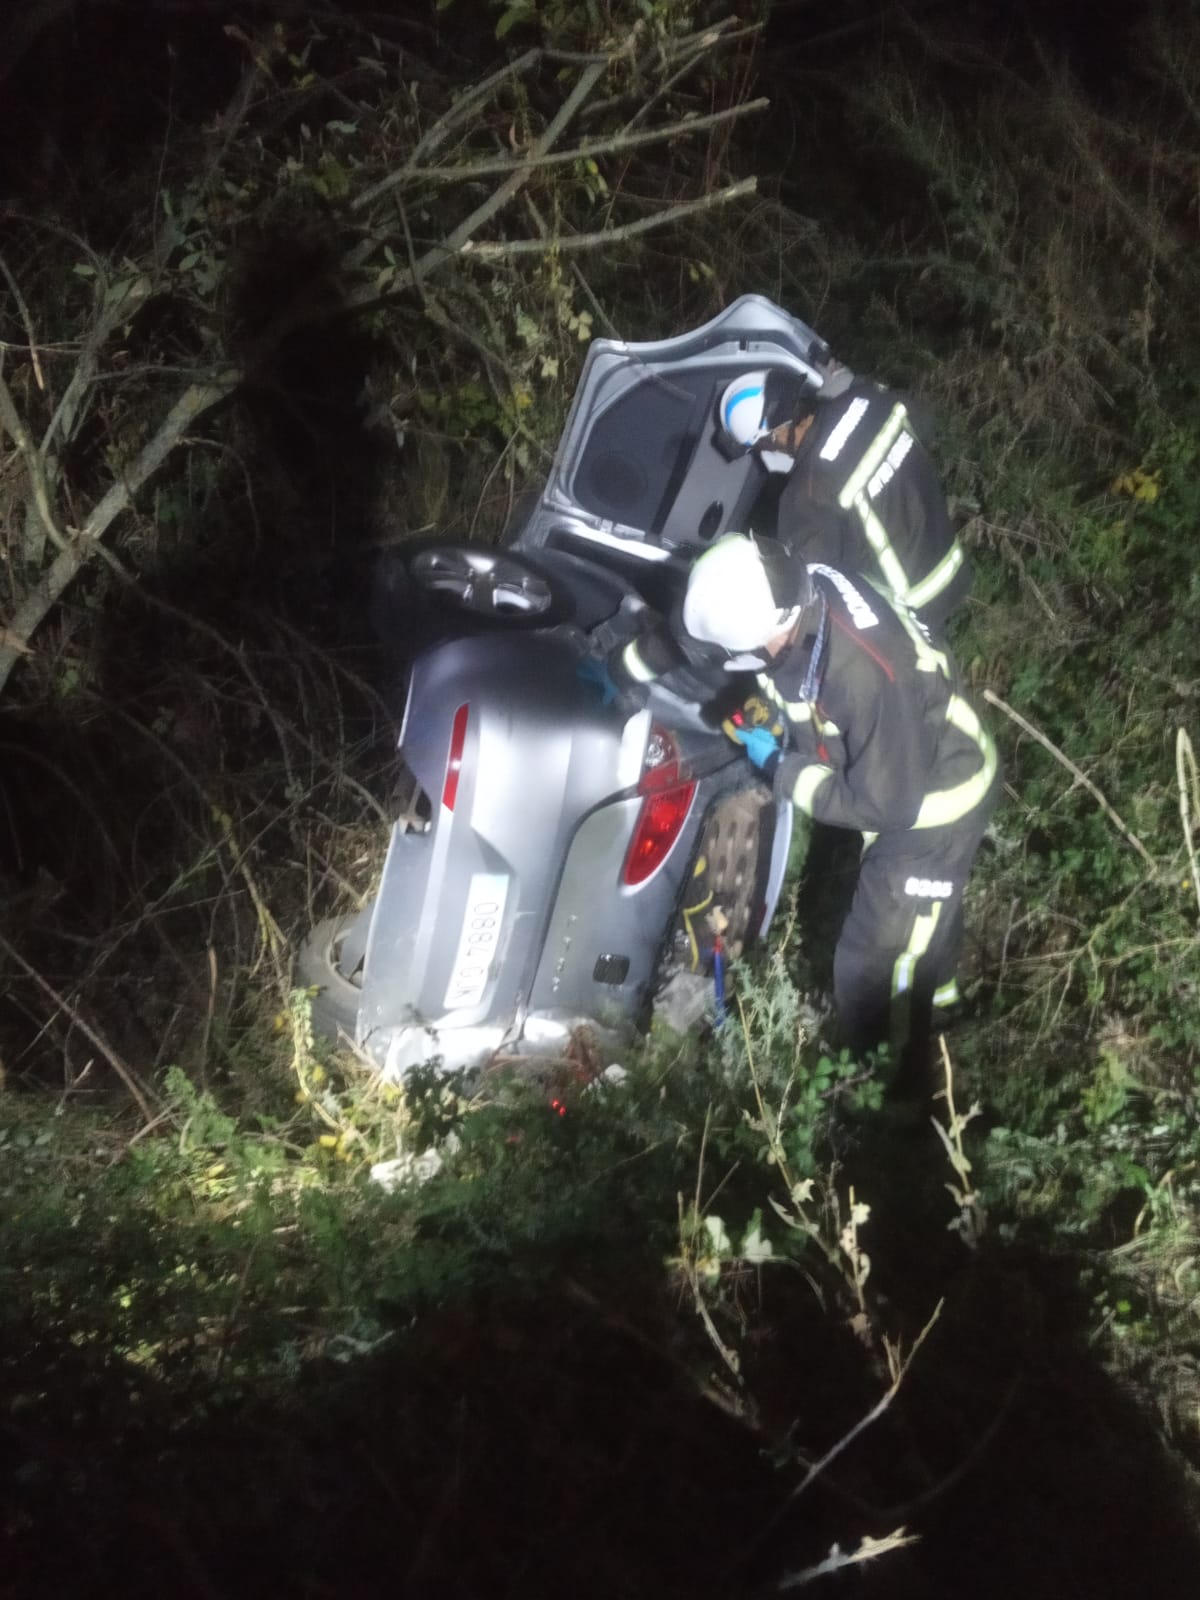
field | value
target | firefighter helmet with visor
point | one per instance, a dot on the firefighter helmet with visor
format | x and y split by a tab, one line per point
743	409
745	591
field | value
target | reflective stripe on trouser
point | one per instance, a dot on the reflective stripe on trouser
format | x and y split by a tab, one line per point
695	925
902	937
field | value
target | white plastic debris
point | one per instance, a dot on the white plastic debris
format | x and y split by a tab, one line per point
411	1168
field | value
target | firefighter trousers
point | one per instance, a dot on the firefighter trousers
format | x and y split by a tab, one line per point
898	951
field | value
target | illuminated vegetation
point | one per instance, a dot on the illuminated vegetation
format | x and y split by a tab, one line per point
605	1351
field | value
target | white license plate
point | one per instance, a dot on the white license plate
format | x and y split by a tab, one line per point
478	941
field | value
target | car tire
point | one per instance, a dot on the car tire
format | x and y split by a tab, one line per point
334	996
434	589
734	842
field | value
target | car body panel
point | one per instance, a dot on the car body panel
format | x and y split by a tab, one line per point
642	456
505	922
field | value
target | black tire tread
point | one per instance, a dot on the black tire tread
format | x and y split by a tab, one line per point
334	1004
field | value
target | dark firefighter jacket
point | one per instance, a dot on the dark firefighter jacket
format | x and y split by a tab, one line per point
880	737
864	497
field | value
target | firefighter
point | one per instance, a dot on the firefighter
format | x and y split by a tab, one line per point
862	493
877	736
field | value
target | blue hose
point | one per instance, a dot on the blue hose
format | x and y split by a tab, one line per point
718	983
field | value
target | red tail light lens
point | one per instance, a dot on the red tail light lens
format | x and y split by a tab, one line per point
458	739
668	796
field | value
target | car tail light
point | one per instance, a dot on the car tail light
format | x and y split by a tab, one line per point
667	794
458	739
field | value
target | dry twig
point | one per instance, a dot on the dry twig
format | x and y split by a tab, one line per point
837	1559
1080	777
140	1094
1189	800
491	249
588	149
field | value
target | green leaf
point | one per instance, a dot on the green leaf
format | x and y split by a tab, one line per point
718	1236
511	17
755	1247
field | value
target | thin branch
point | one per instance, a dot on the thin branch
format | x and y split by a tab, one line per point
27	321
1080	777
900	1371
10	421
459	237
706	43
872	1416
689	48
197	399
122	1071
462	108
580	152
599	314
868	1550
1189	799
491	251
121	301
366	299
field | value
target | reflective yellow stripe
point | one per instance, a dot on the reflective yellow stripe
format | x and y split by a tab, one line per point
637	669
947	995
810	780
868	840
889	561
795	710
918	943
874	454
928	659
944	806
934	582
902	972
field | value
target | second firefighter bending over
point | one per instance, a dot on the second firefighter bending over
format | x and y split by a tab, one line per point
879	737
862	492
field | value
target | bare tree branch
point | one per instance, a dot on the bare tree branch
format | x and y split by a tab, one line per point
138	1090
71	560
580	152
366	298
10	421
121	301
492	250
27	321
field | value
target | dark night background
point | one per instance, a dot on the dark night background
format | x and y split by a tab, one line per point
544	1427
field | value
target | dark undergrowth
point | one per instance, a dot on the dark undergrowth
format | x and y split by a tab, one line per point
686	1338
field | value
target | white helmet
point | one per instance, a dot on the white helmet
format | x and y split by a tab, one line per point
744	591
743	408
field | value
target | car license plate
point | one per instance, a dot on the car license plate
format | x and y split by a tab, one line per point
478	941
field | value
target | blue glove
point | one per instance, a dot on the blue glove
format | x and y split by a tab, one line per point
596	673
762	748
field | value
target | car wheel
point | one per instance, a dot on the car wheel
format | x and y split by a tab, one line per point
485	585
735	844
335	994
431	591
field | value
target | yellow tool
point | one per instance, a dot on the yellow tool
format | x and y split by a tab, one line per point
754	712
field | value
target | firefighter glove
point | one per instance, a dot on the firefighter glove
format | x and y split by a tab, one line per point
596	672
762	747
